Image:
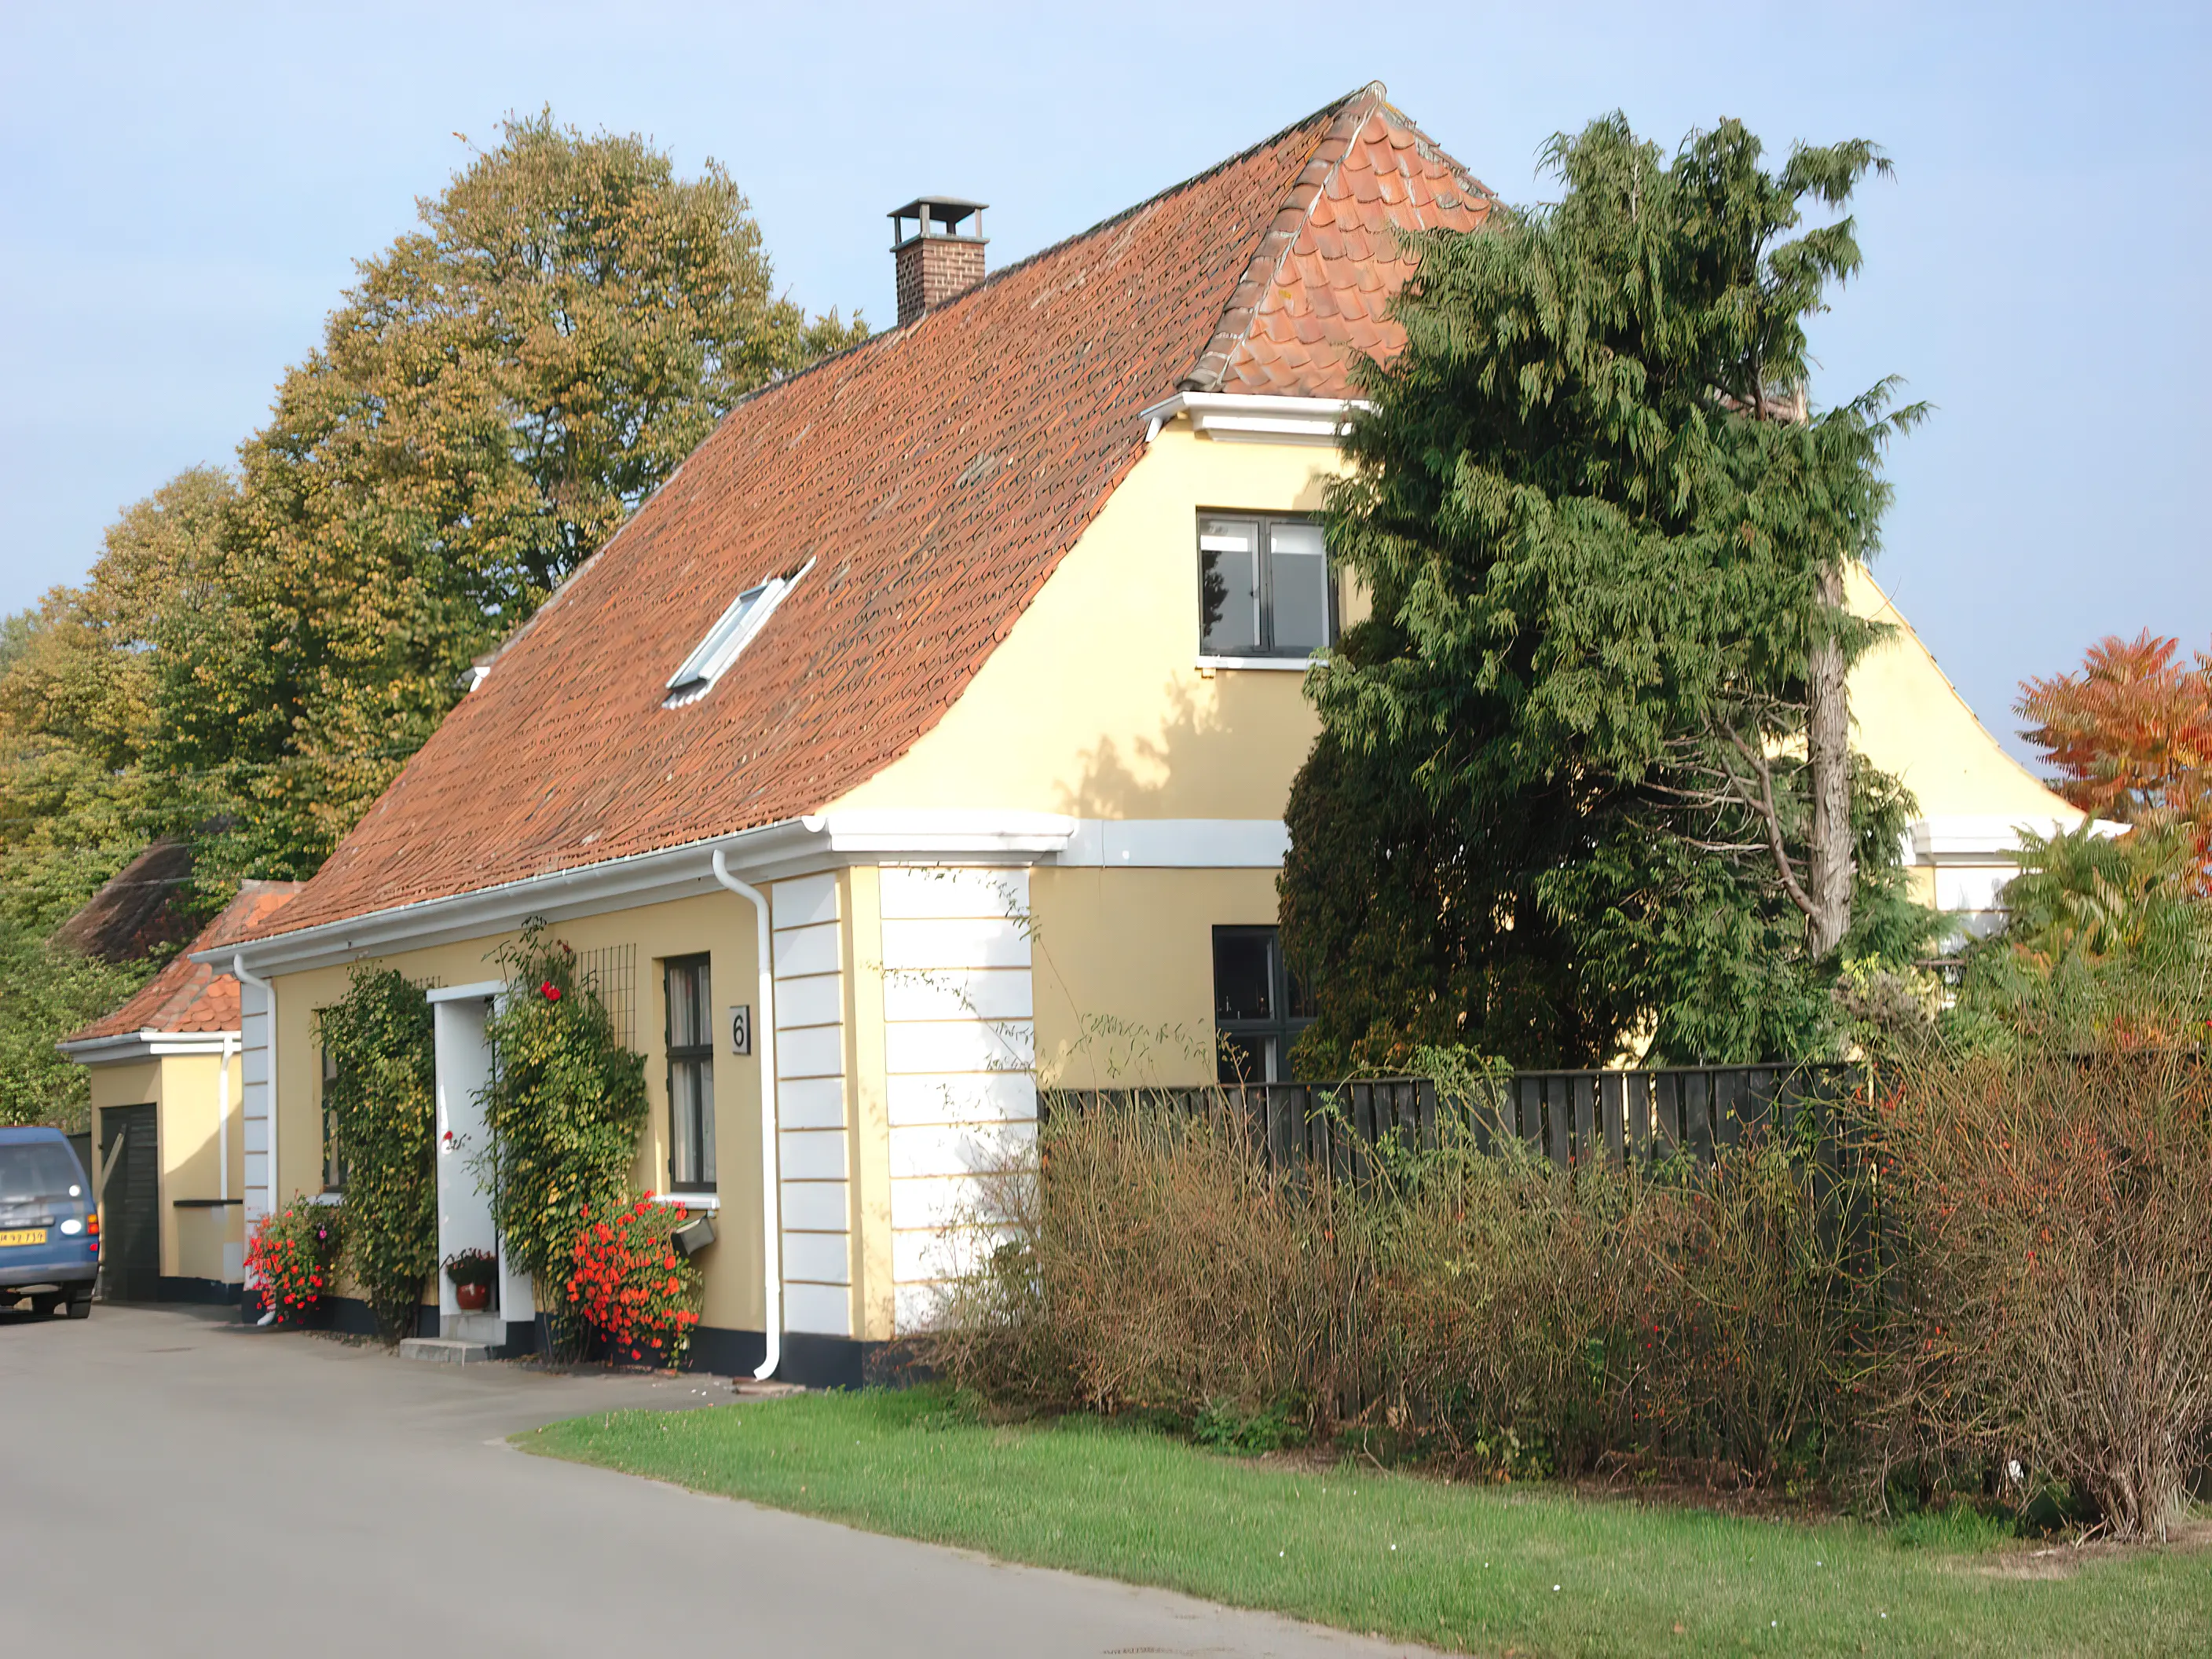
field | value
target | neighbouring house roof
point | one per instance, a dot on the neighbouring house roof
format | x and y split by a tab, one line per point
192	996
132	914
935	477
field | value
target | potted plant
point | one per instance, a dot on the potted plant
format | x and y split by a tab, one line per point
472	1273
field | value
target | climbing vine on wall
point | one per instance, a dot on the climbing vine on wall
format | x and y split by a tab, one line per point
565	1107
381	1098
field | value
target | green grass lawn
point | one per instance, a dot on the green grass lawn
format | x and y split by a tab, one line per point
1483	1568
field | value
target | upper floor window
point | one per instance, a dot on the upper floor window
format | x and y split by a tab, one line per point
690	1075
1259	1006
1265	587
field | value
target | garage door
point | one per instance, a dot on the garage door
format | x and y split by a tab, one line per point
130	1213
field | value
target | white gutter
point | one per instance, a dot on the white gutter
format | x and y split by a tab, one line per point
1256	418
764	1045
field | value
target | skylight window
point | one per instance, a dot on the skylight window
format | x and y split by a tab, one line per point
726	638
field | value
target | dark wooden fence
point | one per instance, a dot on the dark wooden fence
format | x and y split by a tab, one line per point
1651	1116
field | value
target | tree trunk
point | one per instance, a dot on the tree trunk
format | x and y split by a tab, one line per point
1829	752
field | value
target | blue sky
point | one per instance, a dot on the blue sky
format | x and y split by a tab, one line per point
183	191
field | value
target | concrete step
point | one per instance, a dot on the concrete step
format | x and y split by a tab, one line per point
444	1350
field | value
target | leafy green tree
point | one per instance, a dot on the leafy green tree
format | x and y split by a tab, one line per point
46	993
78	707
382	1100
499	390
1603	677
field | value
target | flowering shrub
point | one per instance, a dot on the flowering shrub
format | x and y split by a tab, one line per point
628	1284
564	1115
294	1256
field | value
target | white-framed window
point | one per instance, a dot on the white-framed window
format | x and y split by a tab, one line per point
690	1044
726	638
1265	587
1260	1007
334	1170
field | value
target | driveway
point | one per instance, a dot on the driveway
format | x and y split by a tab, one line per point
172	1482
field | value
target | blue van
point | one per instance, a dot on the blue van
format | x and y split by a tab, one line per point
49	1224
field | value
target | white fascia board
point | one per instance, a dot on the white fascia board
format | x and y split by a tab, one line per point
1971	838
148	1044
1179	844
1256	418
986	836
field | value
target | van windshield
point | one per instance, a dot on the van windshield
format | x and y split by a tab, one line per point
35	1170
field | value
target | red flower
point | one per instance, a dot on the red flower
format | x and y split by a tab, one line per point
549	991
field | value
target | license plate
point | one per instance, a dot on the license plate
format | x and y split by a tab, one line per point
23	1236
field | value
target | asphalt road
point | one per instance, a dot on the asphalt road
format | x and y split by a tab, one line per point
172	1483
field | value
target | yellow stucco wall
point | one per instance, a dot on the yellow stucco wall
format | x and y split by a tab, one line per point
1910	720
1123	969
718	923
1095	704
184	1092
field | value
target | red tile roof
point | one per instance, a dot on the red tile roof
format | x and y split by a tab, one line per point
191	996
935	476
1321	278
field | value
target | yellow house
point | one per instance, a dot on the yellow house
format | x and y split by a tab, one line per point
168	1072
933	727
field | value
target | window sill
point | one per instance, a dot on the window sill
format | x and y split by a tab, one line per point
1279	665
689	1200
328	1196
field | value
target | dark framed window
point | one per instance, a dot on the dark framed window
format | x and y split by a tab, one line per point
691	1034
1259	1006
1265	587
333	1154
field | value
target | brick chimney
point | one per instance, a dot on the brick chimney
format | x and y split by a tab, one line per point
936	260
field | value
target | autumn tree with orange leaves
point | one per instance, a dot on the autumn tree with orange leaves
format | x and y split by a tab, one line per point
2131	736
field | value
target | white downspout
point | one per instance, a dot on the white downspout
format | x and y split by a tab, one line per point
269	1000
764	1045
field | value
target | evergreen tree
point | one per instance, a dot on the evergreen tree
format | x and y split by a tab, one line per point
1602	682
500	390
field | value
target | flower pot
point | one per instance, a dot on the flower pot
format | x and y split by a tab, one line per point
472	1299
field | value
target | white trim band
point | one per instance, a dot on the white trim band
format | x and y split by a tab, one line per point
1256	418
1967	838
775	852
150	1044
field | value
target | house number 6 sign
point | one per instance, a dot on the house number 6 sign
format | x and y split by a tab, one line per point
741	1029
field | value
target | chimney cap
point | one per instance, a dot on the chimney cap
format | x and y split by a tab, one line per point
936	215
